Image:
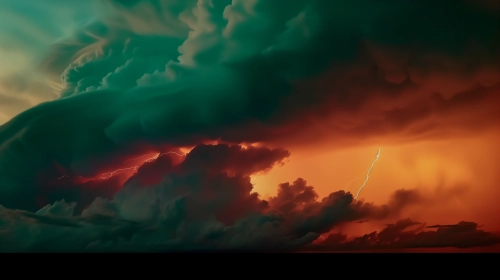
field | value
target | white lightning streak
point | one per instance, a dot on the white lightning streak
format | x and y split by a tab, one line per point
368	173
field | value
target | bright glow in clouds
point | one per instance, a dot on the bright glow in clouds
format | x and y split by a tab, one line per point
155	157
108	175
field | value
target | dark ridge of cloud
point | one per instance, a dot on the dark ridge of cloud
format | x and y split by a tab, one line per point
410	234
461	225
191	208
255	72
168	206
55	184
233	159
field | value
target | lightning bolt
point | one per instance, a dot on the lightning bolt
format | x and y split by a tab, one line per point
155	157
104	177
368	173
132	159
108	175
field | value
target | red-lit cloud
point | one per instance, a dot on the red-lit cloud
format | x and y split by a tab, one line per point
410	234
231	72
208	197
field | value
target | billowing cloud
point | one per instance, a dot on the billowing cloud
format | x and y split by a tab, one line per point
204	202
160	75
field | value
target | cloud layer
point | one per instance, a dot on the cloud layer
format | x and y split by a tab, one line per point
204	202
410	234
158	75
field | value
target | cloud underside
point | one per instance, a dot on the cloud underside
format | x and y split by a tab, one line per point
205	202
410	234
156	76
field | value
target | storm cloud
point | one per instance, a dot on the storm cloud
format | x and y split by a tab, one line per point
159	75
204	202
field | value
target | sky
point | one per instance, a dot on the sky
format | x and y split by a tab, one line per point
304	126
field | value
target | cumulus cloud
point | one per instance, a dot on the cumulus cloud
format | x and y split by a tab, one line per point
204	202
146	75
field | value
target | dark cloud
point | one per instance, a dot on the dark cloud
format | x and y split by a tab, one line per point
409	234
203	202
155	74
167	206
301	202
56	183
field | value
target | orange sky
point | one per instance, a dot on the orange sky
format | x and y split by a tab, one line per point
458	175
